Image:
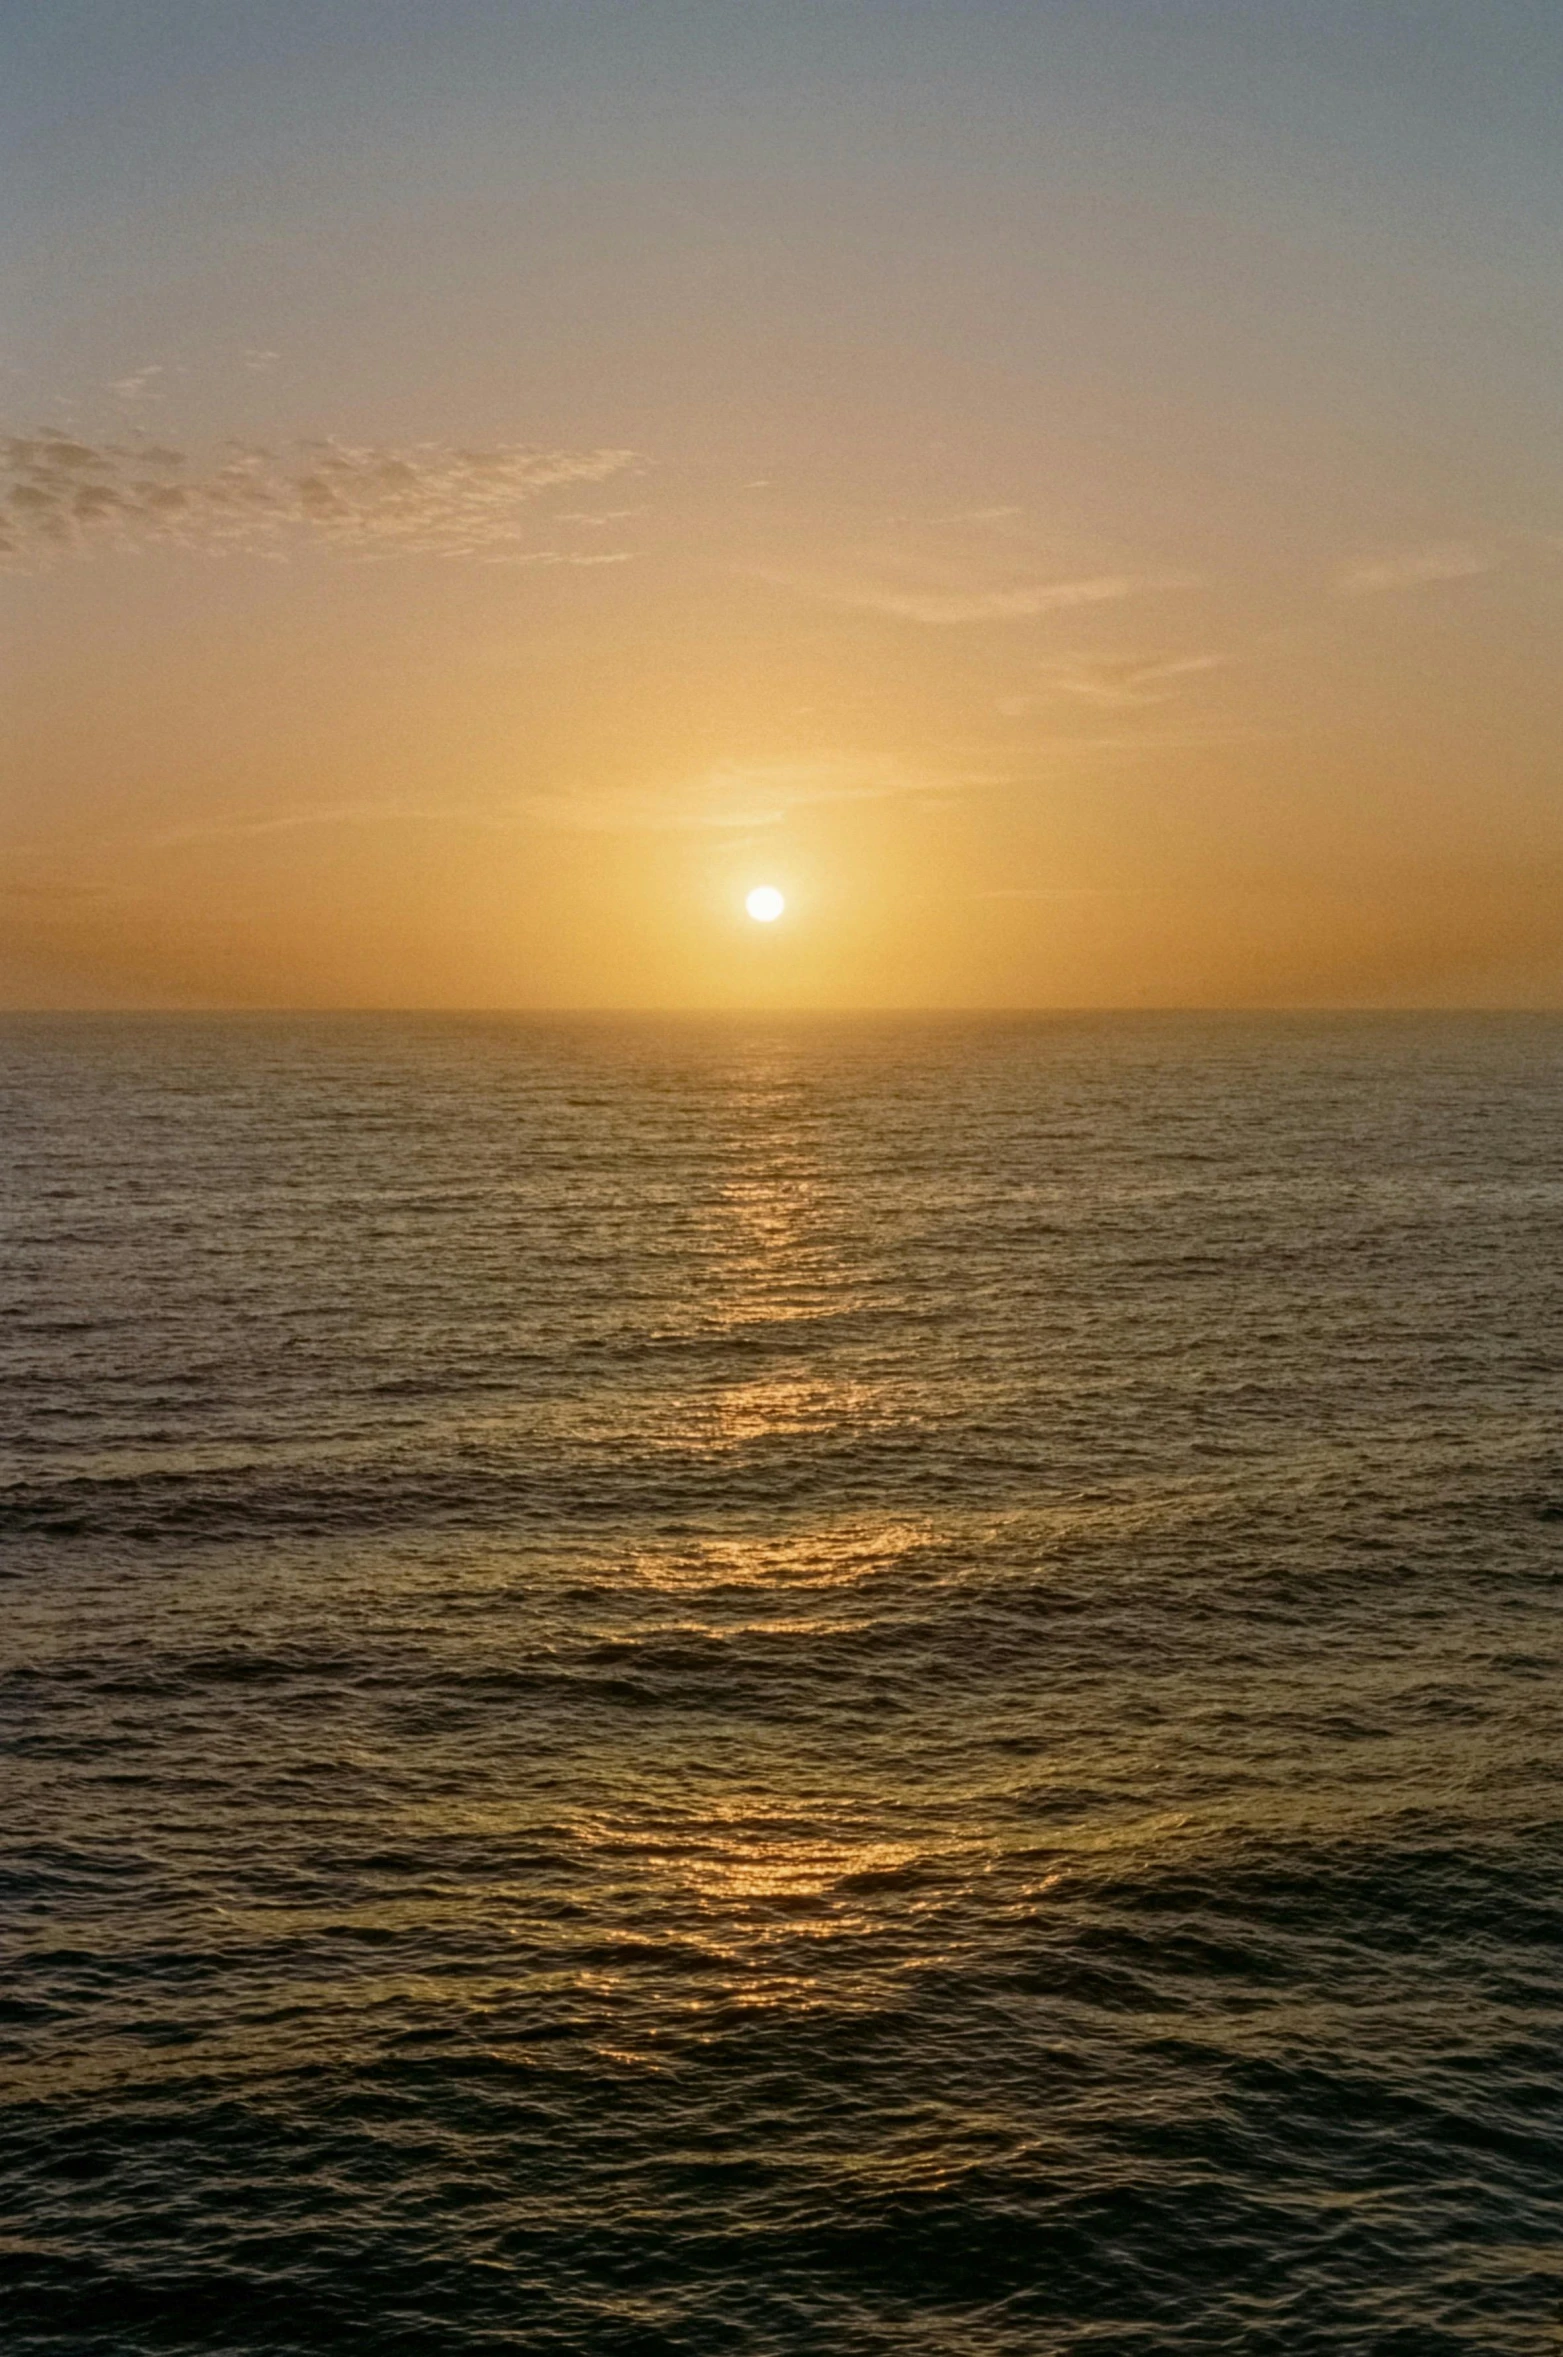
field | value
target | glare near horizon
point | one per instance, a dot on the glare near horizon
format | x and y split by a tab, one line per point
1075	494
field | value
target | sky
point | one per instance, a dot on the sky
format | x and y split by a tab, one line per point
1068	491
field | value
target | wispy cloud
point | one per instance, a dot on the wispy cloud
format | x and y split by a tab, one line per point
137	385
760	793
598	518
1117	682
228	826
1017	602
1006	520
60	496
731	797
1411	568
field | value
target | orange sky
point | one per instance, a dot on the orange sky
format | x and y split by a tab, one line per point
1072	496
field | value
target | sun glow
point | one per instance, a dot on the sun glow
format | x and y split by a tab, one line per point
765	904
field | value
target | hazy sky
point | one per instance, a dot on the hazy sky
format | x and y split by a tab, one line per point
1069	490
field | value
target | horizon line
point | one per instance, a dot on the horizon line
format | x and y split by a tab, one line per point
829	1013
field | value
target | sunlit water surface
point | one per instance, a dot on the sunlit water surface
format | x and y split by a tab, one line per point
781	1686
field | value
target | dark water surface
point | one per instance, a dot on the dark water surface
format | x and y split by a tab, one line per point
772	1686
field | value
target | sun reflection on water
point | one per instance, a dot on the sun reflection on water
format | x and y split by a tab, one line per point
839	1555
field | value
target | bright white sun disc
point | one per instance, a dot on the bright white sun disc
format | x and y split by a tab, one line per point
765	904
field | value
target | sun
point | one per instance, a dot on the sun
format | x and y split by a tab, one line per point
765	904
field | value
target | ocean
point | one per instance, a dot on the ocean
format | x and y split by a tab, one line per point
781	1685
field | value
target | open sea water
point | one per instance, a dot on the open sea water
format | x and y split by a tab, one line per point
780	1685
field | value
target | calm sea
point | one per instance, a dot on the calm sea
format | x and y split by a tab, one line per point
780	1686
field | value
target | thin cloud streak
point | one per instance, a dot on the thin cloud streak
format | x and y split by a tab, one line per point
951	608
731	797
1114	682
744	794
1412	569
